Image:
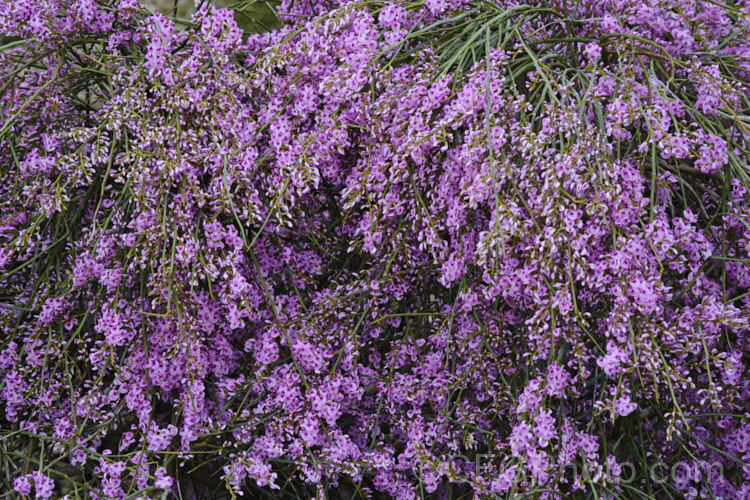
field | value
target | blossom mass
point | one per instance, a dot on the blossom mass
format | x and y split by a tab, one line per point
361	250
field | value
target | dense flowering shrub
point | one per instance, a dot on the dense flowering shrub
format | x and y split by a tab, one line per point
404	250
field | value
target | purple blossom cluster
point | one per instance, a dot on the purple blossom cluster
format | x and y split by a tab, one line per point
376	253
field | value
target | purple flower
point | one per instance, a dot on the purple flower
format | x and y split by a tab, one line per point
624	407
163	481
22	484
593	51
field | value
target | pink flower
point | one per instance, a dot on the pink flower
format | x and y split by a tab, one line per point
612	360
593	51
44	485
545	428
643	293
624	407
163	481
557	380
22	484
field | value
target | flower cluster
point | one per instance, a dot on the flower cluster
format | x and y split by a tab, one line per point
375	251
